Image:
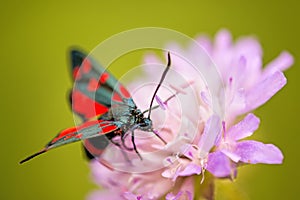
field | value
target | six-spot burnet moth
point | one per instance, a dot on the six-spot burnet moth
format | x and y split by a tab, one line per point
106	108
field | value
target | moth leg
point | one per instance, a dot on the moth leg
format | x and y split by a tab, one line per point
134	146
123	142
115	143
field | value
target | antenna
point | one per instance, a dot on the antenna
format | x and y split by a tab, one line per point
160	82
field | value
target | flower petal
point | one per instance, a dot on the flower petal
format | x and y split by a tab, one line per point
218	164
188	151
248	46
211	131
205	43
264	90
223	40
191	169
238	103
281	63
244	128
237	74
256	152
232	155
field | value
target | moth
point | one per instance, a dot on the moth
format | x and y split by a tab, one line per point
105	107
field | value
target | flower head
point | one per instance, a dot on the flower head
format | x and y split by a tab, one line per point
197	116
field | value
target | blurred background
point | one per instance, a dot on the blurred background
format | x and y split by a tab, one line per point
35	38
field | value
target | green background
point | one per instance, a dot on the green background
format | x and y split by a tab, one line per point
35	37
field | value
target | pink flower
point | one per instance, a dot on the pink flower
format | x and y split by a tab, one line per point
198	123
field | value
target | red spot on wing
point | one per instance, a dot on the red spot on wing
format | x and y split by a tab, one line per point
76	74
124	92
108	128
86	106
116	97
79	136
86	66
104	77
64	133
93	85
70	135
